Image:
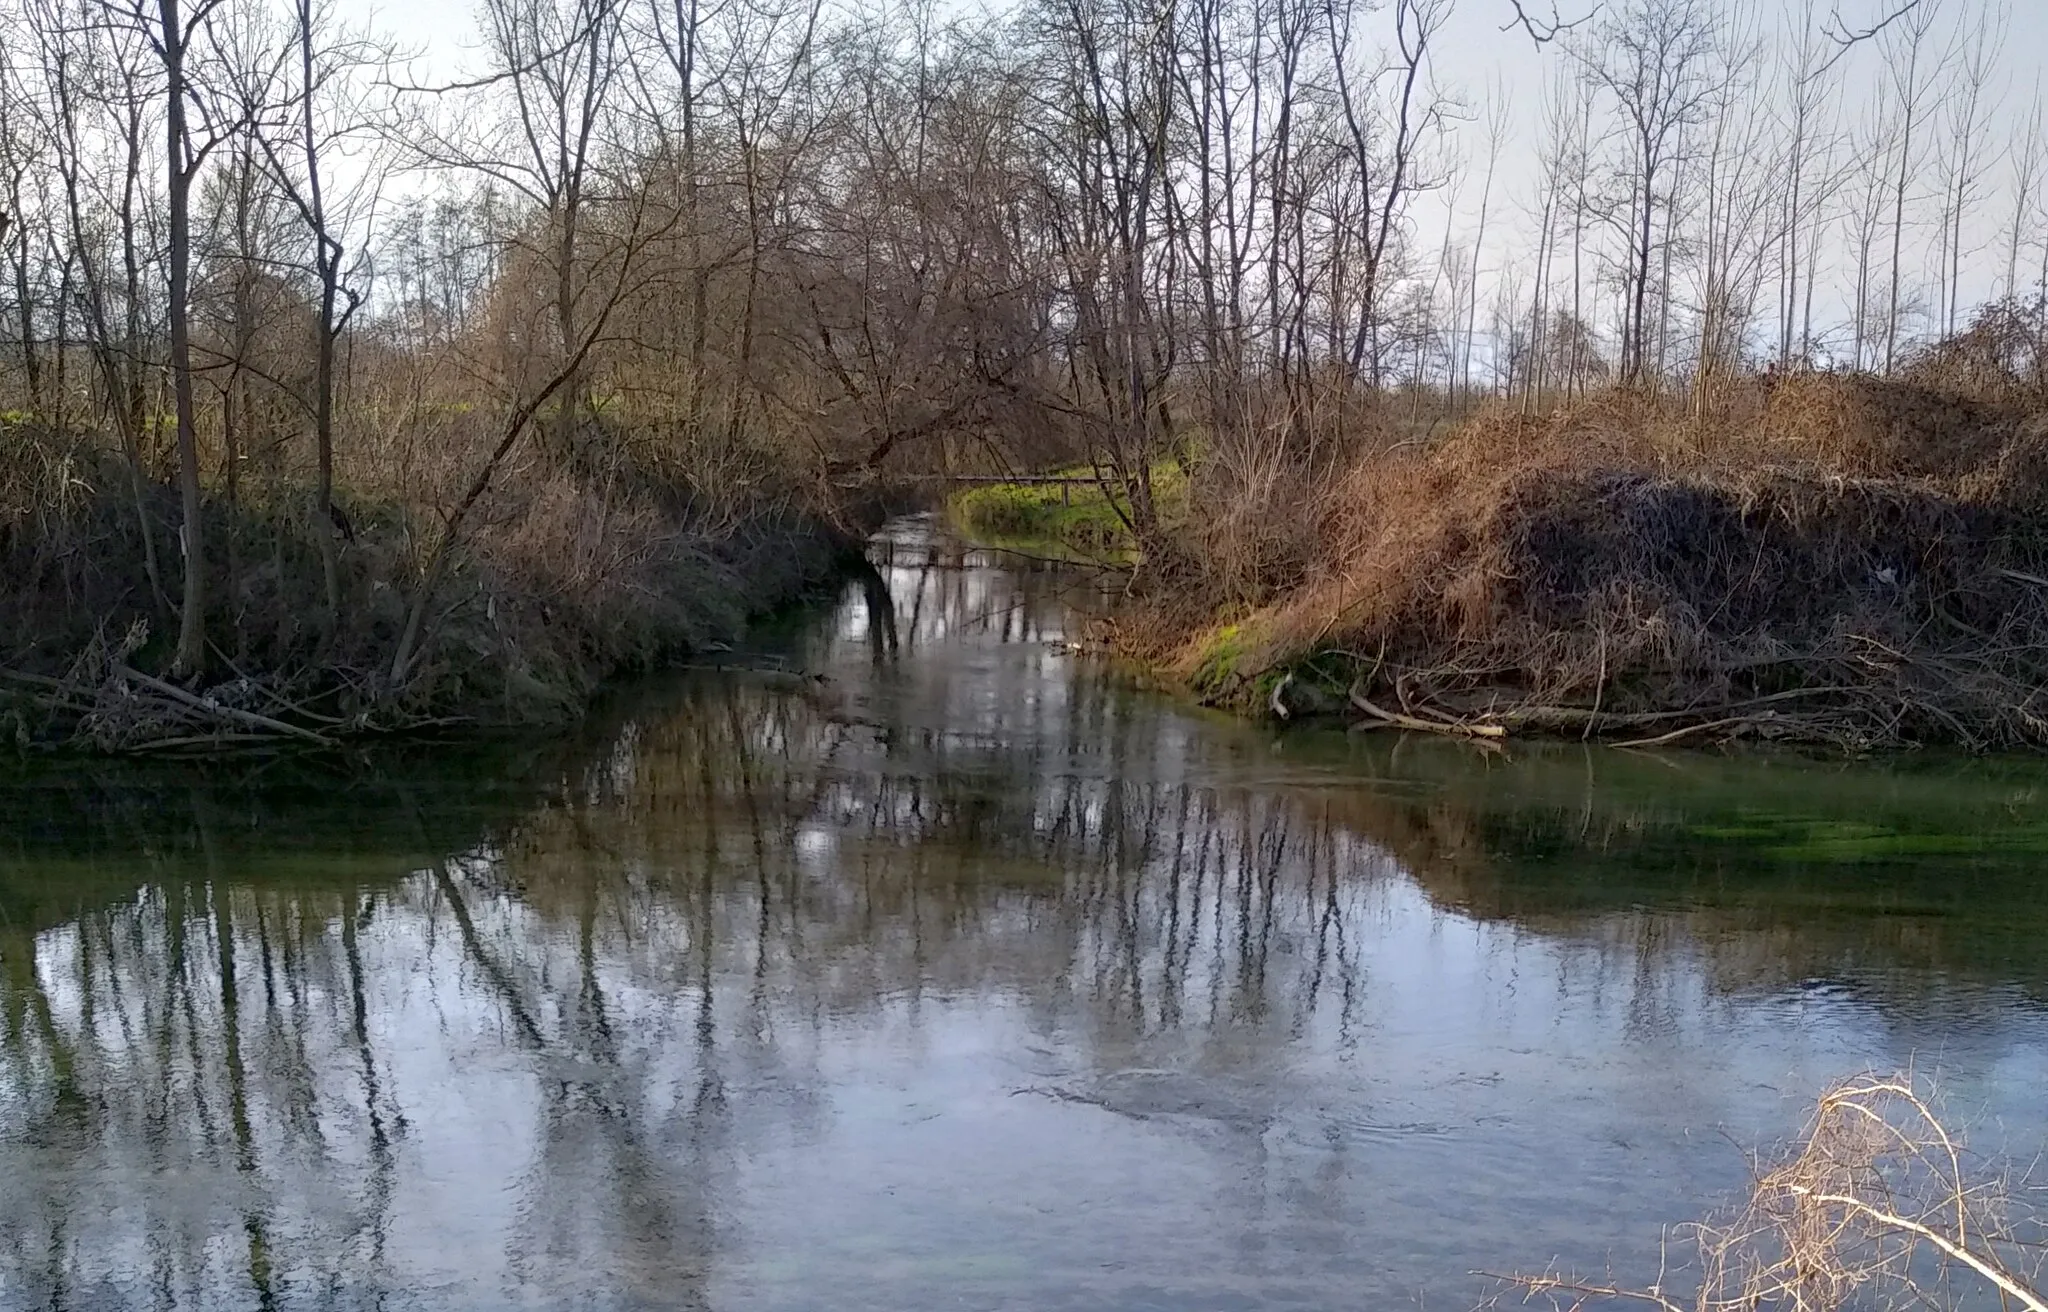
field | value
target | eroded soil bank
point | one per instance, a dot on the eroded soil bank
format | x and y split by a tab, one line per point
1841	561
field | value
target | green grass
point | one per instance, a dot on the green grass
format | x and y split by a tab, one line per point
1078	517
1216	665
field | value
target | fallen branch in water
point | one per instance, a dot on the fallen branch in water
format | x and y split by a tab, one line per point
1497	720
108	703
1700	729
1455	729
210	707
205	742
1857	695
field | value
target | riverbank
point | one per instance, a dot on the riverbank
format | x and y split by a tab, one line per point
566	582
1833	560
1080	976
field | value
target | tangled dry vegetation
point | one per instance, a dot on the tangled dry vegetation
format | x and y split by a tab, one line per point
1835	559
1880	1204
563	580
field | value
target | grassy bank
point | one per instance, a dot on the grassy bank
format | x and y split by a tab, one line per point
1840	560
1091	519
567	581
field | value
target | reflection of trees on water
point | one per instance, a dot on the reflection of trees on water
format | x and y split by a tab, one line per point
207	1083
839	873
643	964
270	1032
199	1032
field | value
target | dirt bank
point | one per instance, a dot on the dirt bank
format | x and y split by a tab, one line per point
1840	560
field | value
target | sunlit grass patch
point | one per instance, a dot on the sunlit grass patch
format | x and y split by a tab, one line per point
1081	516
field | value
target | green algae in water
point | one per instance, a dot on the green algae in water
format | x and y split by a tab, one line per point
738	999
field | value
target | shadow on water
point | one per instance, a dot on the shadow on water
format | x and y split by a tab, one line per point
965	975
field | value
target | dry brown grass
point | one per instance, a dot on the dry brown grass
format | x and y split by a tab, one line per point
565	579
1858	426
1850	560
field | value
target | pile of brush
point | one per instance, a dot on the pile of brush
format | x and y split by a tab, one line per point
104	701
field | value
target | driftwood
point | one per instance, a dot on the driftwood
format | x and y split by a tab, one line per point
1454	728
1772	715
229	714
110	704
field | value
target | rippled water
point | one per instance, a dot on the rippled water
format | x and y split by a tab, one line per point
971	977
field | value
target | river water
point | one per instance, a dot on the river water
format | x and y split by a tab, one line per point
972	976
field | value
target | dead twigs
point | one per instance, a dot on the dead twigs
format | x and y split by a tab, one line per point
1880	1202
1761	716
113	706
208	707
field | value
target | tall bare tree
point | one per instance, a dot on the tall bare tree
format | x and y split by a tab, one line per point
1652	58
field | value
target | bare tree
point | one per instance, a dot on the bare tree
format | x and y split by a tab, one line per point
95	112
1865	231
2029	152
1652	58
552	96
1809	63
329	109
1971	101
1912	68
1740	206
21	161
1389	175
172	31
1495	125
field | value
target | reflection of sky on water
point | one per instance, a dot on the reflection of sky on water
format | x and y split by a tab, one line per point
969	978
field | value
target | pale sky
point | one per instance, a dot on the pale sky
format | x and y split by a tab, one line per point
1476	57
1475	54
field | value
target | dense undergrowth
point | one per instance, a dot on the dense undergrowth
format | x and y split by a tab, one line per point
1837	559
567	580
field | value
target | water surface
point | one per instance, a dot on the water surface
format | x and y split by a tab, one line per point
971	977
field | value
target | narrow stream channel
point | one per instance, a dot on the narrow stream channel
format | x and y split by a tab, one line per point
970	976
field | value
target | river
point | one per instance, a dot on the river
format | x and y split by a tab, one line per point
971	976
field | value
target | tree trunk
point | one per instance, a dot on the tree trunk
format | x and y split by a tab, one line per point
191	655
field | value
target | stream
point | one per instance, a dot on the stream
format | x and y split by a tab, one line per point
972	975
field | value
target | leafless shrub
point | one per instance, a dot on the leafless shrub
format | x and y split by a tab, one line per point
1880	1204
2001	358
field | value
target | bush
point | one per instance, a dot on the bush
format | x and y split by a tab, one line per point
566	581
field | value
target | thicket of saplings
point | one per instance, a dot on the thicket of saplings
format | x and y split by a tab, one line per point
476	553
477	561
562	579
1833	558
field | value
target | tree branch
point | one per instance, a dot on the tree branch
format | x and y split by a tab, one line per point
1845	37
1543	31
